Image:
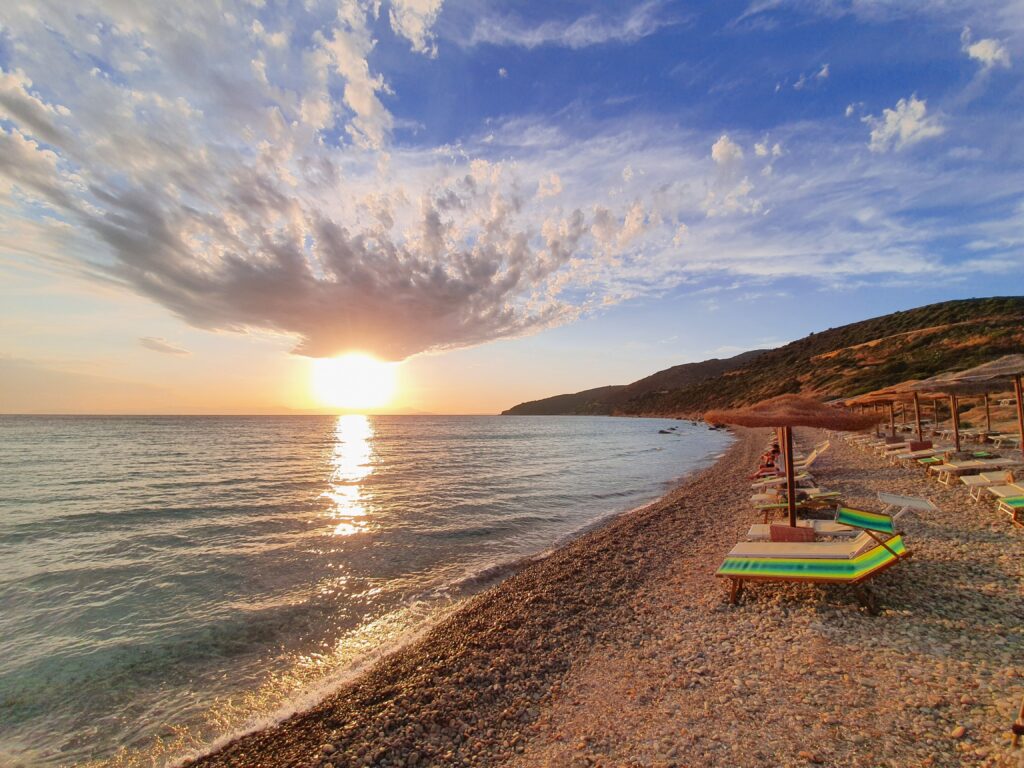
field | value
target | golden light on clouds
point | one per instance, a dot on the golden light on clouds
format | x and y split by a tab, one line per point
353	382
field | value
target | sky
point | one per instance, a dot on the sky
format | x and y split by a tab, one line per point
507	200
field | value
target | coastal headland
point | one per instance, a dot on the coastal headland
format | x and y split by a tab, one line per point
619	649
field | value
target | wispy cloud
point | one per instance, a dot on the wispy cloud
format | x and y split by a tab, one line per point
592	29
157	344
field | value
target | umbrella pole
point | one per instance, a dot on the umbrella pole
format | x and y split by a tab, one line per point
790	478
892	421
988	415
1020	409
955	418
917	417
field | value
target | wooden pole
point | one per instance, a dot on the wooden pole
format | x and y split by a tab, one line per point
917	417
903	414
955	418
790	476
892	420
1020	409
935	414
988	415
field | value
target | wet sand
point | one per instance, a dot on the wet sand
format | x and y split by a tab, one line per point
619	649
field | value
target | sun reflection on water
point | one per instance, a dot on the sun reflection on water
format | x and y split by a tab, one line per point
352	461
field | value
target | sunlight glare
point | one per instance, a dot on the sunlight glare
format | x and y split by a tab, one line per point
353	382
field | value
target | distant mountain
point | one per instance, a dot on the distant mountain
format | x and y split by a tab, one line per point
838	362
590	402
608	400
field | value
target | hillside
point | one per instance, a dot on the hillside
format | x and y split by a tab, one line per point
607	400
839	362
590	402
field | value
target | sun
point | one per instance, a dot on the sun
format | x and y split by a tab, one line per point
353	382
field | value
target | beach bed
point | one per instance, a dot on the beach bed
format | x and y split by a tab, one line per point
976	484
827	562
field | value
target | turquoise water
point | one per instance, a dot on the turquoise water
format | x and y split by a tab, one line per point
168	581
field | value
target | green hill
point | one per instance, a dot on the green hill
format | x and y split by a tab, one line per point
838	362
590	402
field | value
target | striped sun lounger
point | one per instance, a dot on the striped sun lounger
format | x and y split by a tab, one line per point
814	569
822	562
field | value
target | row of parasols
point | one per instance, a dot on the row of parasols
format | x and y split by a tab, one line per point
788	411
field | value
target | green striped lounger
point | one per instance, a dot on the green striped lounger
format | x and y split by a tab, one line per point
819	562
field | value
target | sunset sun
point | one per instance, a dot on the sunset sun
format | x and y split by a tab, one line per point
353	382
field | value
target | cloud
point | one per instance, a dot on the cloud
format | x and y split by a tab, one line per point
725	151
157	344
638	22
903	126
802	82
988	52
414	19
551	186
729	190
277	200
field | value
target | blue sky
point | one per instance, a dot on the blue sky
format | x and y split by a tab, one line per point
517	199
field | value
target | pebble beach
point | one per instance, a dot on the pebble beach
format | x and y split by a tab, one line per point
620	649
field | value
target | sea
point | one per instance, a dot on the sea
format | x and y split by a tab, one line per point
167	583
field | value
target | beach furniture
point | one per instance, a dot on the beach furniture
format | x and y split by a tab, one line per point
852	562
830	528
781	480
976	484
1006	491
853	571
950	471
1014	507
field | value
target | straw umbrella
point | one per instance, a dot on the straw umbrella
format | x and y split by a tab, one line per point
785	412
1008	367
889	396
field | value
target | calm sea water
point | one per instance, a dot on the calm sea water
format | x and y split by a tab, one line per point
168	581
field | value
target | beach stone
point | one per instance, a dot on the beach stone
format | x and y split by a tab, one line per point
958	733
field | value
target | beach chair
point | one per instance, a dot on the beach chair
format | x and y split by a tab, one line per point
1014	507
976	484
851	563
768	482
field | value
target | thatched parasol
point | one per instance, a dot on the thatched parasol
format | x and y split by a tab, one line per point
786	412
1001	369
889	396
970	383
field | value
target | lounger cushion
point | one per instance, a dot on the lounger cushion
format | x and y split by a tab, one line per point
870	521
814	569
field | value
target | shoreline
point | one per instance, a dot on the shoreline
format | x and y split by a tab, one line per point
463	644
620	649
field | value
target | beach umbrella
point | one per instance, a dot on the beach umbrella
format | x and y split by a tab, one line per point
968	384
889	396
785	412
1006	368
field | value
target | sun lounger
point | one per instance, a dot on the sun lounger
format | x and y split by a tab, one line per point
1005	491
823	528
780	480
976	484
852	571
1014	507
844	562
